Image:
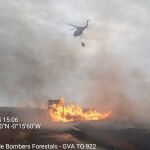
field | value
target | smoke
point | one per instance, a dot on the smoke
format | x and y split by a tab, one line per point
39	60
114	86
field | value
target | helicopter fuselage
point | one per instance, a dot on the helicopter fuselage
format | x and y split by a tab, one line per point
79	31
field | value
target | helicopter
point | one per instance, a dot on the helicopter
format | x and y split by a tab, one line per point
79	29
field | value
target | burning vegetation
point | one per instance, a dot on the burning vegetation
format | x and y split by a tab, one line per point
65	113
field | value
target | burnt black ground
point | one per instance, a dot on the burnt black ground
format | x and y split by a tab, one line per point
108	135
114	135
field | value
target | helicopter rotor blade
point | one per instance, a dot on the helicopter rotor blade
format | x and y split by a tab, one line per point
72	25
70	29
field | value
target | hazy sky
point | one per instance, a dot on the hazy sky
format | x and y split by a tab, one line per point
38	59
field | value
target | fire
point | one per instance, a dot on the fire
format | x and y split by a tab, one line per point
60	112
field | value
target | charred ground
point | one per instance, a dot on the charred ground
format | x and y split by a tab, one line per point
108	134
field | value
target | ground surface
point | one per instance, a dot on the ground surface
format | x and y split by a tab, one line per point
108	135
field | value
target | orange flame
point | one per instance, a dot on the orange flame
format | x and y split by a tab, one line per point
59	112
